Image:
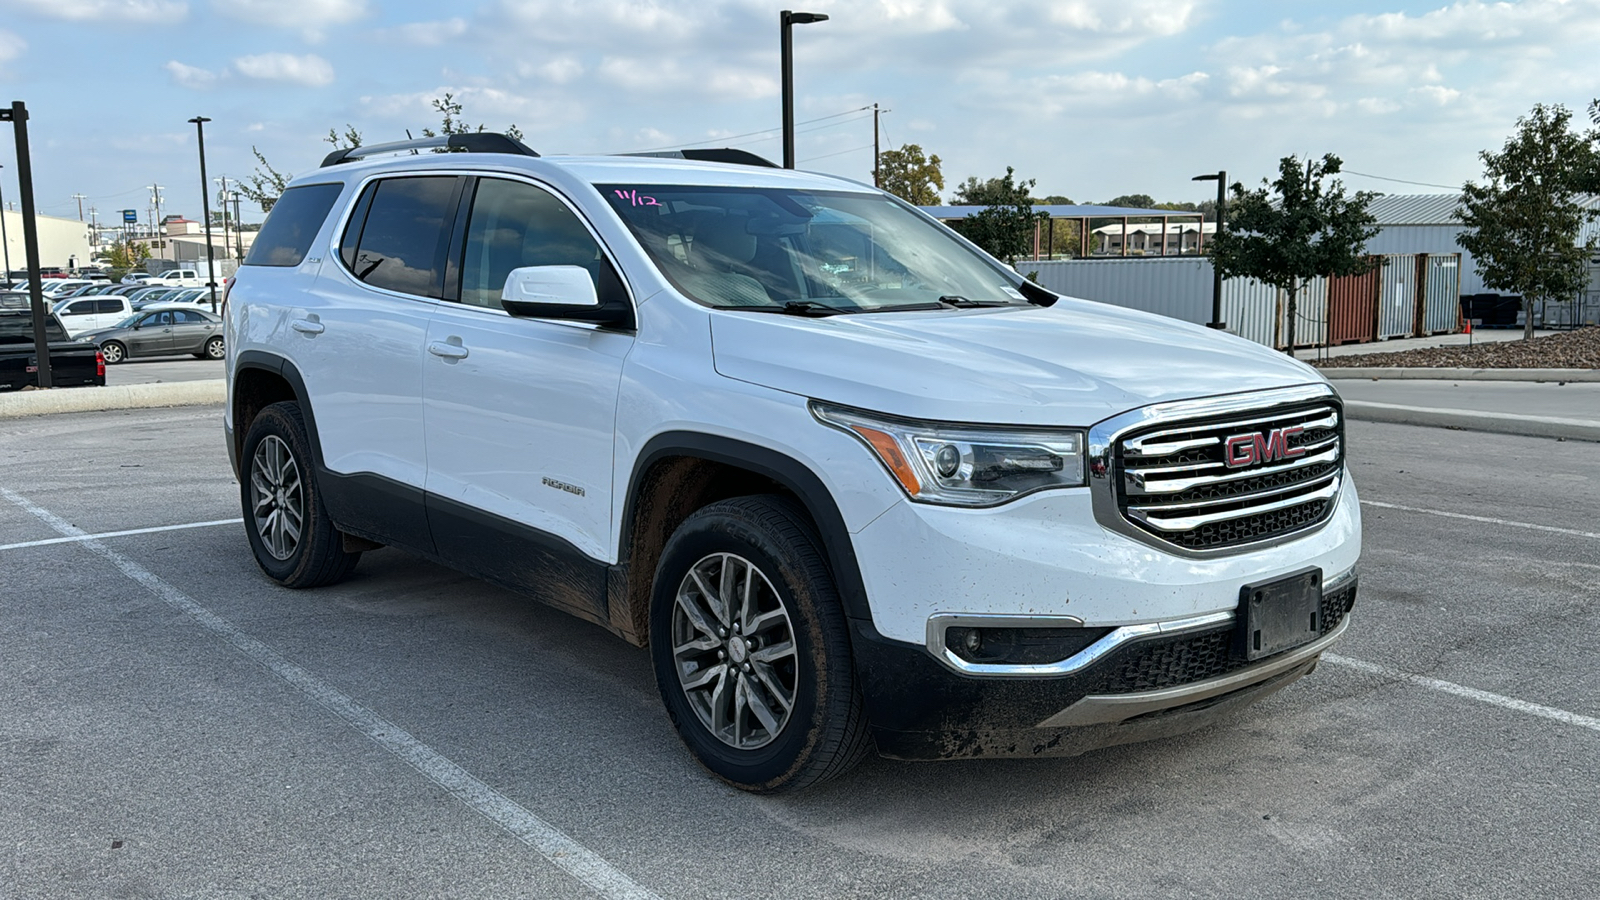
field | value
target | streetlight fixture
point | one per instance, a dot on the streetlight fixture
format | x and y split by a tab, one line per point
205	208
1221	178
786	22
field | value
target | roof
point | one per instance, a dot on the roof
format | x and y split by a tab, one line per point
1434	209
1062	211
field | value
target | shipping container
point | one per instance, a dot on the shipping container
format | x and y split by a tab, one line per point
1353	308
1179	287
1441	312
1397	297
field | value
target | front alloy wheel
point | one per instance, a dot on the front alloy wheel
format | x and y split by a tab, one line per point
278	502
733	645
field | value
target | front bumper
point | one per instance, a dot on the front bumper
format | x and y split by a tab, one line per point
1152	687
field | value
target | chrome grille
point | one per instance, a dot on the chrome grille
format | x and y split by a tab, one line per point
1174	482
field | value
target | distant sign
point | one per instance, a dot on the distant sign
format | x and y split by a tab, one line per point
130	215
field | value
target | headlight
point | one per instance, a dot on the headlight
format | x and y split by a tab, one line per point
963	465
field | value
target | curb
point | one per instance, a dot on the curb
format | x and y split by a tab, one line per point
1471	420
1455	374
128	396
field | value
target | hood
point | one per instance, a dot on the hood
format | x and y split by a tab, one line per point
1071	364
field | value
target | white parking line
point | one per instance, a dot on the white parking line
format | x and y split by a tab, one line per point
1450	687
1485	519
575	859
111	534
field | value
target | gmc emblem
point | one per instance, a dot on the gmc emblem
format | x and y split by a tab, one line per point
1256	448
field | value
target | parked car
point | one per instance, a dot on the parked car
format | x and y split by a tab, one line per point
136	277
179	278
56	288
81	315
71	363
161	332
146	295
919	502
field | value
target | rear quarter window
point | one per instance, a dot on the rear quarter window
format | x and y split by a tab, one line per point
286	236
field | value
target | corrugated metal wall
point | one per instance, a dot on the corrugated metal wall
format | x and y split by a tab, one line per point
1441	313
1344	311
1432	240
1397	297
1179	287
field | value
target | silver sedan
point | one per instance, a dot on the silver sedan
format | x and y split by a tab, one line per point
161	332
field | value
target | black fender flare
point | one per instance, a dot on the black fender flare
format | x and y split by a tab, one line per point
792	474
277	365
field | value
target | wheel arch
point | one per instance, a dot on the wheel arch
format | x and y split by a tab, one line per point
261	379
677	473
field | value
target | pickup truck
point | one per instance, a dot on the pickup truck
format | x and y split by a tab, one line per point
71	363
178	278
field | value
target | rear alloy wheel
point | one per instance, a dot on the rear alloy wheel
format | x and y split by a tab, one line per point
751	648
113	352
290	533
214	348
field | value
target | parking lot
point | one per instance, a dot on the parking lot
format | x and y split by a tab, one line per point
176	725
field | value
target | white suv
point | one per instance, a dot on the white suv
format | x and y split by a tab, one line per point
853	482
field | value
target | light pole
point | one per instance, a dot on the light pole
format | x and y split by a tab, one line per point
3	238
786	22
205	209
1221	178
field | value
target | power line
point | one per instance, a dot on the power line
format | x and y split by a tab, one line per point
751	133
839	153
774	137
1453	187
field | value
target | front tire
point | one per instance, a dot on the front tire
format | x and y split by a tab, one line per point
113	352
752	650
290	533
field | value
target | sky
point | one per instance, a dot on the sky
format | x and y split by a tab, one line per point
1090	98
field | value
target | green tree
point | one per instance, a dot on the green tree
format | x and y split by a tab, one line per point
906	174
1005	228
1523	222
123	256
1294	229
1133	201
266	184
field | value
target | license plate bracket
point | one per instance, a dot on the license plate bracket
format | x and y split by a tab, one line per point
1279	615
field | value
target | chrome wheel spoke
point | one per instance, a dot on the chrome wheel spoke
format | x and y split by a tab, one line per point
703	677
769	680
712	598
773	653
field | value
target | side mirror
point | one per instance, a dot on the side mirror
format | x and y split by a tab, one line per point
554	292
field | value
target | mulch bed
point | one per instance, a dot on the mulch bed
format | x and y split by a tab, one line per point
1577	349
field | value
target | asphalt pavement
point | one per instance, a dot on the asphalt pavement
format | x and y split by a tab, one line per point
177	726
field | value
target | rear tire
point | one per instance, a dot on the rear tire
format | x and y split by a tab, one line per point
114	352
214	348
752	650
290	533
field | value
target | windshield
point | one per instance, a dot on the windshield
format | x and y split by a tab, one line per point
775	248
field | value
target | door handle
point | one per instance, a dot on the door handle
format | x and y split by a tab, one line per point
307	326
445	350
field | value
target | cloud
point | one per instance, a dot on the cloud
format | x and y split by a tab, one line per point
309	70
311	17
190	76
426	34
153	11
11	46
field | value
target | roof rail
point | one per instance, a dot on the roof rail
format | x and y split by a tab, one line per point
473	142
714	154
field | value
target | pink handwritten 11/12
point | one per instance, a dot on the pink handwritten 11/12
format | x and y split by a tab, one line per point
637	199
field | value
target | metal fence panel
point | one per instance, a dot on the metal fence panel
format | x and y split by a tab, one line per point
1311	315
1250	308
1441	311
1177	287
1397	297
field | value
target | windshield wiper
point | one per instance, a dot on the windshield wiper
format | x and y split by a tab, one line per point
794	308
960	302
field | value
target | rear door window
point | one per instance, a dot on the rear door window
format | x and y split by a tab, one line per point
403	239
108	306
286	236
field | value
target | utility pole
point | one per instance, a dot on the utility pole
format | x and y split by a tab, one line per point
222	198
238	232
159	223
875	182
80	198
